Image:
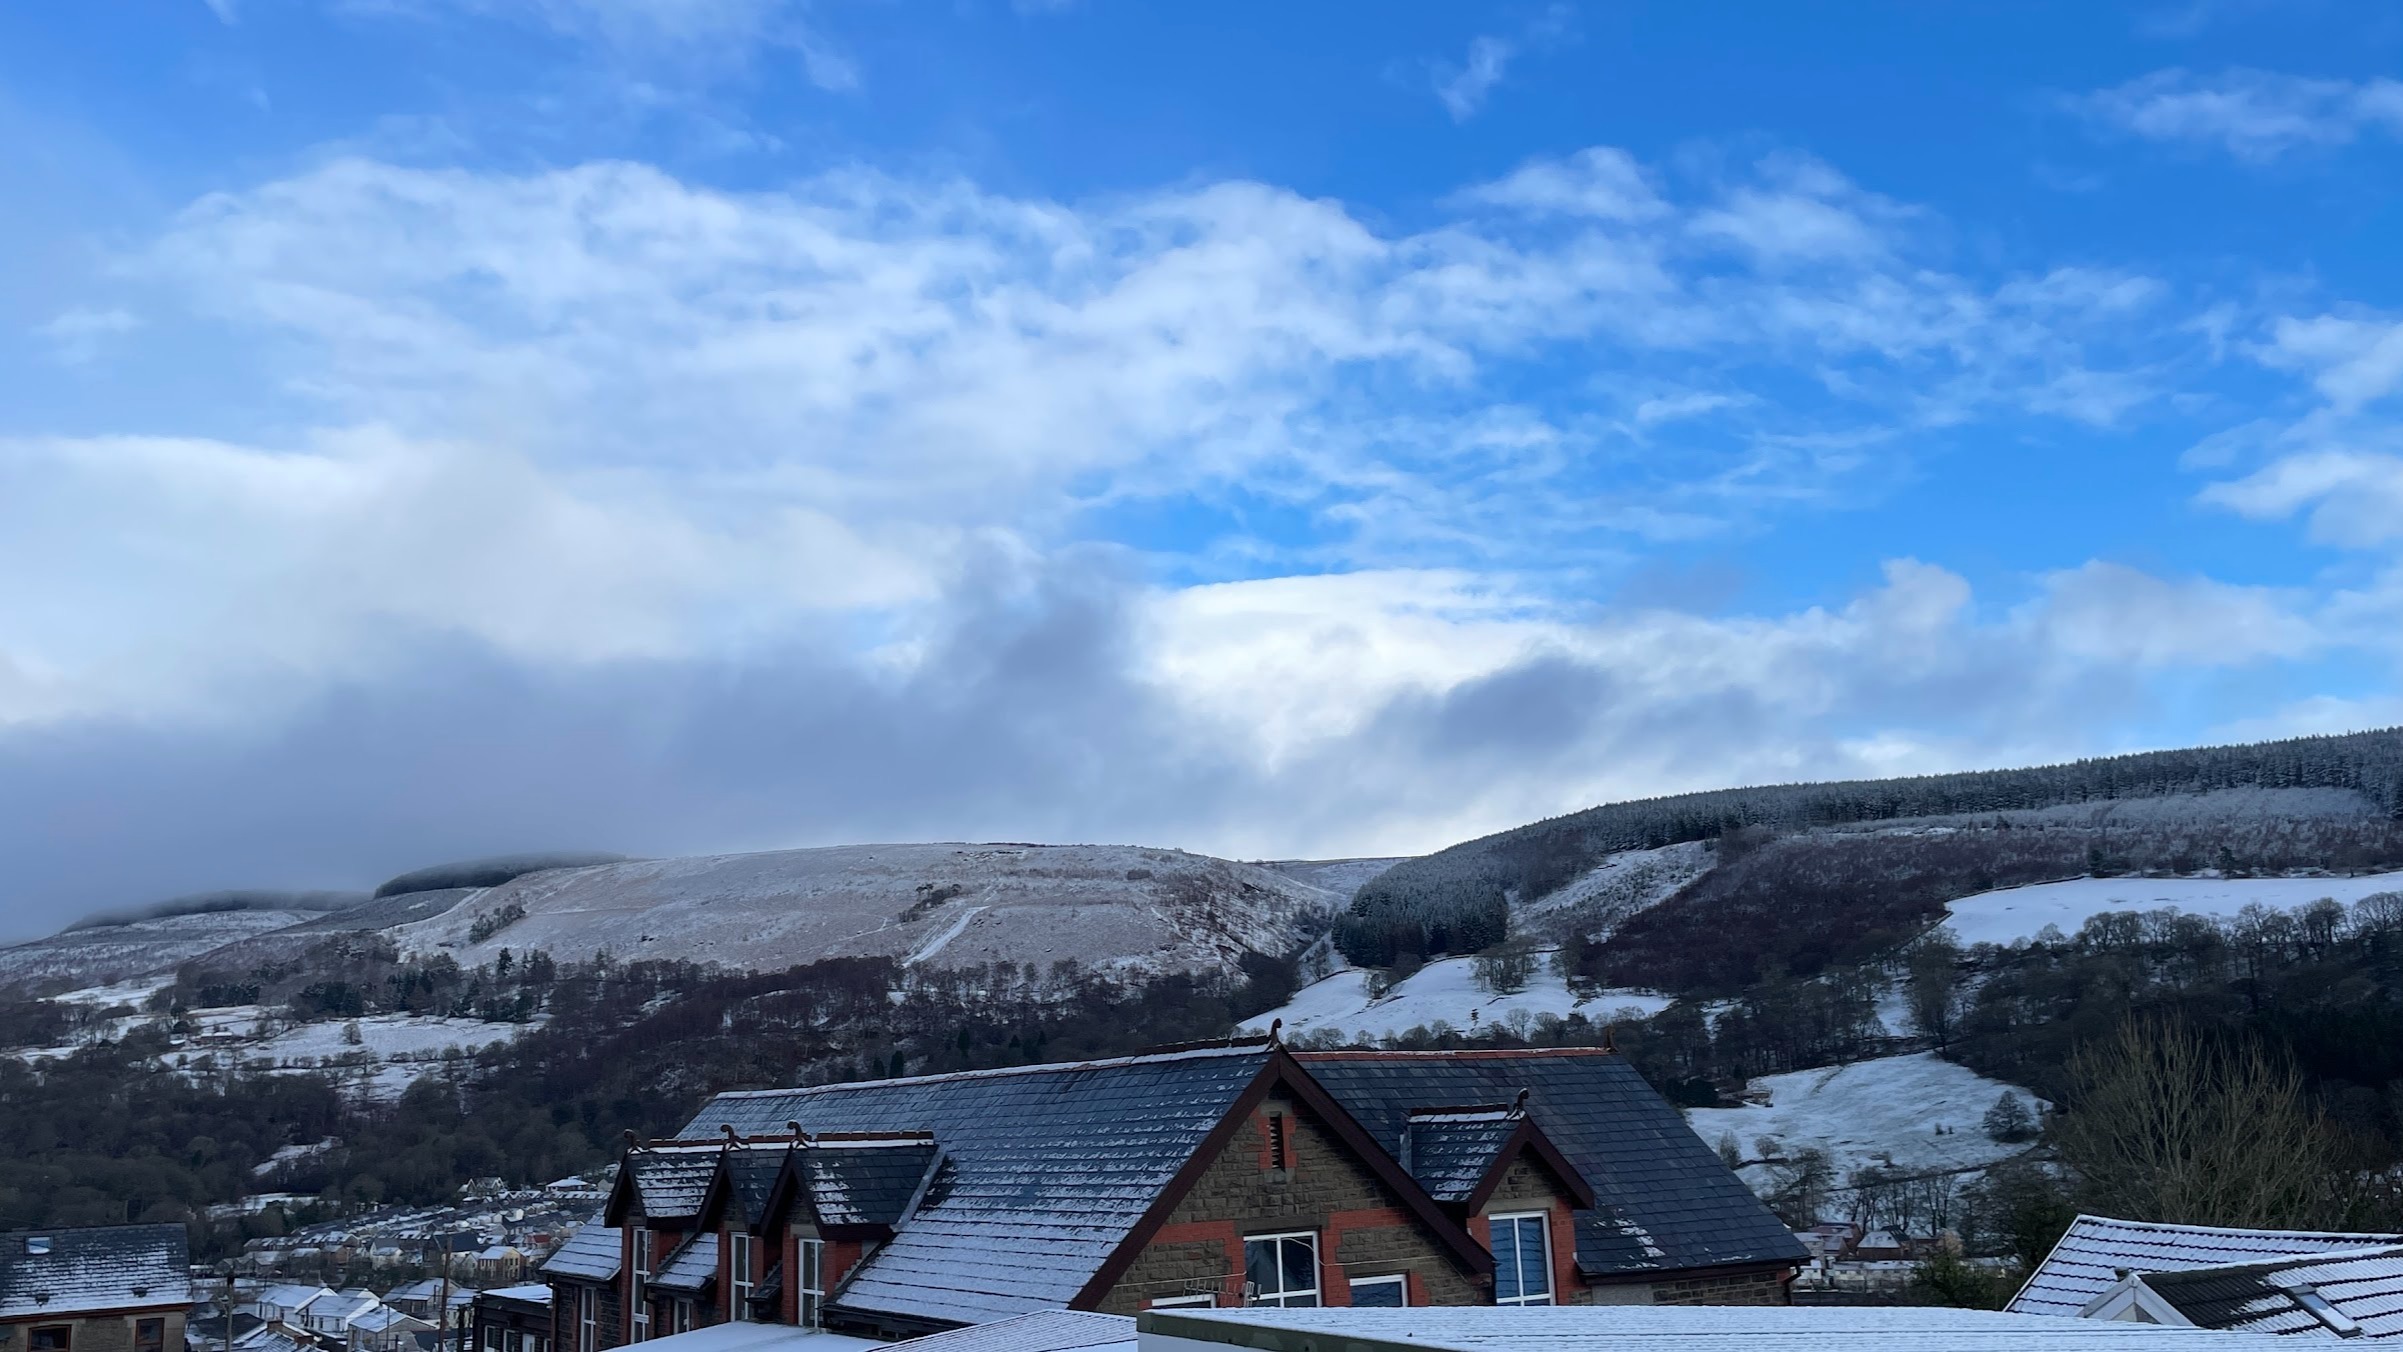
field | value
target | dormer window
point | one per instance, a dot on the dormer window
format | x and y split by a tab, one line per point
37	1244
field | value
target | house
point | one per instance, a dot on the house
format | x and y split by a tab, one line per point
111	1288
278	1302
513	1319
2098	1251
1224	1174
330	1315
499	1264
417	1298
385	1329
1689	1329
2348	1293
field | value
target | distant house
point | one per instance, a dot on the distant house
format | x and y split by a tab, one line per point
513	1319
278	1302
1226	1174
385	1329
330	1315
112	1288
2099	1252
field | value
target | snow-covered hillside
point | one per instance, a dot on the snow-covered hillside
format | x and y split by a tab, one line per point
2019	912
1623	885
1884	1111
1105	906
105	954
1443	992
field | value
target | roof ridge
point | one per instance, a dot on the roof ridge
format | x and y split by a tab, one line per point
2378	1238
1478	1054
2289	1260
1245	1047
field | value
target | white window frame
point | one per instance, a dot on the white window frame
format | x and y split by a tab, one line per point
739	1281
1184	1302
638	1304
1316	1291
1543	1230
588	1319
1398	1281
810	1282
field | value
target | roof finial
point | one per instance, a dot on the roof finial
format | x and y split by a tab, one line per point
1275	1027
1518	1106
1610	1037
793	1125
633	1142
731	1138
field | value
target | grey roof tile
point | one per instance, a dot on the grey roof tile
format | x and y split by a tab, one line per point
692	1266
2096	1249
1046	1169
2361	1287
106	1267
1665	1201
1450	1151
594	1253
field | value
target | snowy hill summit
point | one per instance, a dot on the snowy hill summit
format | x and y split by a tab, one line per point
1101	907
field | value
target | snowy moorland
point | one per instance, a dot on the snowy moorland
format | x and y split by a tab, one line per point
1103	906
1623	885
106	954
1883	1112
2019	912
1444	992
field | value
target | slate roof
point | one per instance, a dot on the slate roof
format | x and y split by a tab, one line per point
2360	1289
107	1267
1449	1151
1046	1169
1699	1328
2096	1249
692	1267
594	1253
750	1176
864	1182
671	1180
1664	1200
1050	1331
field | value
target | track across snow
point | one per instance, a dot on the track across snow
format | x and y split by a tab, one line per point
2019	912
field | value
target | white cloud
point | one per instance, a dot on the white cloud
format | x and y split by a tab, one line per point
2352	497
223	9
1462	89
2353	360
1603	182
79	335
2109	613
2256	116
692	35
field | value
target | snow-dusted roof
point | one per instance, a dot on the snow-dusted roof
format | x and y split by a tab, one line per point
1664	1201
743	1336
1046	1169
864	1182
692	1266
1623	1328
2354	1294
594	1253
108	1267
2090	1257
671	1180
1049	1331
381	1319
1450	1150
533	1291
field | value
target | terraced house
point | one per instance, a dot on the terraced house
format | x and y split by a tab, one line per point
1218	1175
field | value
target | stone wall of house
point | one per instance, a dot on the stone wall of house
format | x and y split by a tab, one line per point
1362	1230
1739	1288
99	1333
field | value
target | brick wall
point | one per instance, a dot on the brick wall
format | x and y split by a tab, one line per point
1741	1288
1362	1232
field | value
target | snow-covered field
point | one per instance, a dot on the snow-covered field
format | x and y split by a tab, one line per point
952	905
2019	912
386	1037
109	954
1884	1111
1441	992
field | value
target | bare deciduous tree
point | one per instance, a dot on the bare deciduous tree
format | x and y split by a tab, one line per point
2167	1125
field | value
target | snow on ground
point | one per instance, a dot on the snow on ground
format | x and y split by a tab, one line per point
1441	992
386	1037
134	992
1104	906
1607	895
1884	1111
2019	912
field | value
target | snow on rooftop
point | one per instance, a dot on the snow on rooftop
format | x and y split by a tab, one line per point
1621	1328
1879	1111
2016	913
2089	1258
1238	1047
1441	992
1046	1331
750	1337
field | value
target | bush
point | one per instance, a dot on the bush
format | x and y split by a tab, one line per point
1506	970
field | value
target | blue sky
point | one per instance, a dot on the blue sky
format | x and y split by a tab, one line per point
430	427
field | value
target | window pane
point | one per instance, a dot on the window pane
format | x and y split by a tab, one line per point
1301	1264
1379	1294
1533	1279
1506	1260
1260	1265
